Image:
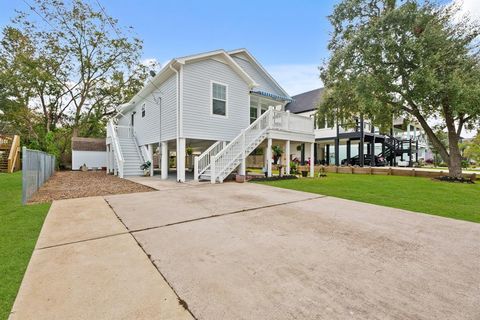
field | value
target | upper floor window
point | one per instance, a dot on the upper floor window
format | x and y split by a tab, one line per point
143	110
253	114
219	99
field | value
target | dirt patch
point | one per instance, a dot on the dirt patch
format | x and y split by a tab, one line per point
77	184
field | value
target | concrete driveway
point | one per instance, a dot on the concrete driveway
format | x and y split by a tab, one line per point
247	251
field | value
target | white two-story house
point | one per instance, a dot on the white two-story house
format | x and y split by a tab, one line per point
207	111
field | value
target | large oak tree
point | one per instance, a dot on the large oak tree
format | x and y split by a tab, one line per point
411	58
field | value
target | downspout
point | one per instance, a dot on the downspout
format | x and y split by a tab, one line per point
180	101
177	89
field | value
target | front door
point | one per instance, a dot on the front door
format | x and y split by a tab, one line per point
132	124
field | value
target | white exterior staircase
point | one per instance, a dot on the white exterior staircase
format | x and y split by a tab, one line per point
128	157
131	155
221	159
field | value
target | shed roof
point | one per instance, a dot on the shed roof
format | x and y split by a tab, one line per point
307	101
88	144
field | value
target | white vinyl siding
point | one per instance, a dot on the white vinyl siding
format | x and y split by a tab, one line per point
147	128
264	83
198	120
93	159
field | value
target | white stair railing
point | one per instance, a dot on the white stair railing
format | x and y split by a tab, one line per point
229	157
203	161
112	133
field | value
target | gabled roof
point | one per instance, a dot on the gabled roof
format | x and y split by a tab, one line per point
222	53
260	67
166	71
307	101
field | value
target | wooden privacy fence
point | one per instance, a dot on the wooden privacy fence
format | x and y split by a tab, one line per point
387	171
37	168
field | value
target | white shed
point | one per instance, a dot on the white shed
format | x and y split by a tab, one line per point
89	151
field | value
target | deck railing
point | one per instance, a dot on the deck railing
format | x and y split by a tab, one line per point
292	122
202	162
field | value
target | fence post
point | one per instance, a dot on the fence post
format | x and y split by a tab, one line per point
24	175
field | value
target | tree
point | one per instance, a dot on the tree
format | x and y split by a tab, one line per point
64	66
415	59
472	149
69	61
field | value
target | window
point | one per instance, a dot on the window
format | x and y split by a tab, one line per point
263	108
219	99
143	110
253	114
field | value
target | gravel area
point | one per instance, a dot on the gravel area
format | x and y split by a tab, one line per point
78	184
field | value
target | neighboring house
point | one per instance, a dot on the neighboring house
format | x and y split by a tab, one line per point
404	145
90	152
205	114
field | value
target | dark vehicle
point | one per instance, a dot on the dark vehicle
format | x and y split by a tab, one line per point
355	161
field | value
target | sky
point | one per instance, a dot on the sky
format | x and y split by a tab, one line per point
288	37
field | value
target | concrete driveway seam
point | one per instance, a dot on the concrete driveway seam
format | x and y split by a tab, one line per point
219	214
182	302
83	240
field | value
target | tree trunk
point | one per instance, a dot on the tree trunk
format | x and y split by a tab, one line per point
455	164
455	157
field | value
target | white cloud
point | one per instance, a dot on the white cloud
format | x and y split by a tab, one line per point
469	7
296	78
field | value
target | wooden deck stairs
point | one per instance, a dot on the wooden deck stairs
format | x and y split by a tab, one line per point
9	153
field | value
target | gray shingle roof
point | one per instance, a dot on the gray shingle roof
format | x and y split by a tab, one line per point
88	144
307	101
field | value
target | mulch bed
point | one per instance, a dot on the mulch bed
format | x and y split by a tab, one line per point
78	184
455	180
275	178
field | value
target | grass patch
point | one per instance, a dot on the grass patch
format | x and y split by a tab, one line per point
452	200
19	230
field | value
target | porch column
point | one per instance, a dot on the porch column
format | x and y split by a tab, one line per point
243	164
410	159
302	155
349	151
372	153
383	150
287	157
108	158
181	160
312	160
337	151
164	160
416	151
150	154
327	155
269	157
361	156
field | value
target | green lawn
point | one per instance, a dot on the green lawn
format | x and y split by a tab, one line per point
19	229
457	201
